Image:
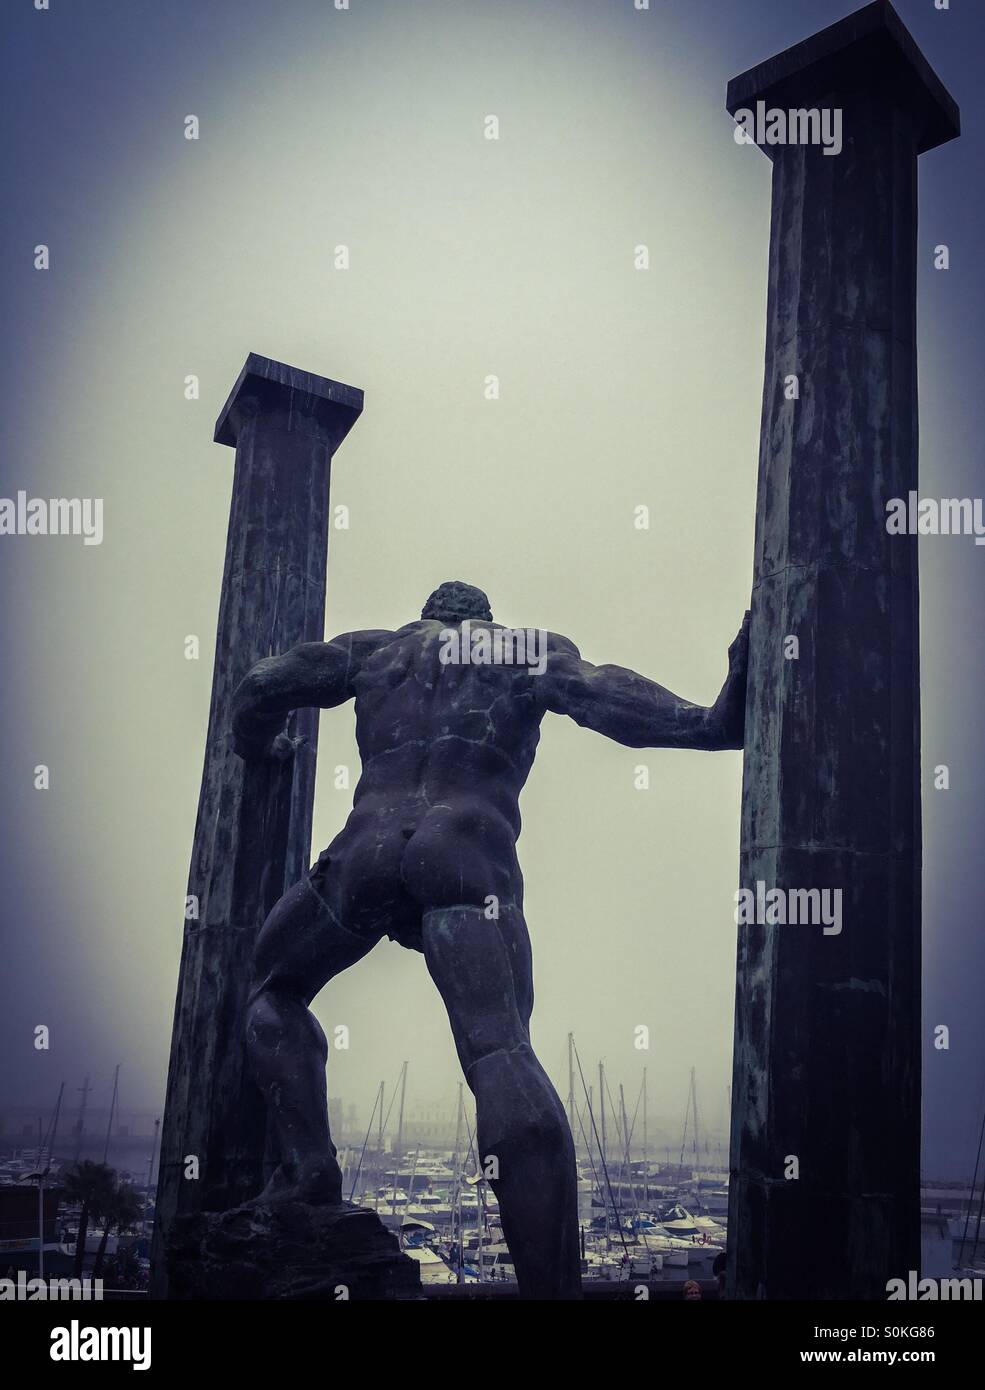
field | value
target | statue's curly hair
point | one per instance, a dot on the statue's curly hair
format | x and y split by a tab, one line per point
454	601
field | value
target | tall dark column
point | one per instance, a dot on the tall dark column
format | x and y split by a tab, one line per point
827	1030
253	833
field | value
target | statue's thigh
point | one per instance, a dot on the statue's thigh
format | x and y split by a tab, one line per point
482	971
302	944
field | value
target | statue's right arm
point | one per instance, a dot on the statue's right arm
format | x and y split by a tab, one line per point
312	674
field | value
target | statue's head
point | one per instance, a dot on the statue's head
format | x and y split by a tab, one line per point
455	601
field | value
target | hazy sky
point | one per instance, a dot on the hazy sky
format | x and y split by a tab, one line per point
619	387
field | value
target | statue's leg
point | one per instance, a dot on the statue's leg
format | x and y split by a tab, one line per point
300	947
482	969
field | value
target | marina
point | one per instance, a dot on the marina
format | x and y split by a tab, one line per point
640	1220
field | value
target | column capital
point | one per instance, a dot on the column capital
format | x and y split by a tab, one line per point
867	52
274	386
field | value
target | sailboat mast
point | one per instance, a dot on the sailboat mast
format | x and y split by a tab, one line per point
602	1165
153	1153
112	1108
84	1090
369	1130
456	1160
646	1160
400	1137
971	1201
602	1140
400	1115
571	1086
413	1178
480	1216
54	1127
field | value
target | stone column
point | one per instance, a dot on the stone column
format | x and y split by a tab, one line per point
825	1144
253	833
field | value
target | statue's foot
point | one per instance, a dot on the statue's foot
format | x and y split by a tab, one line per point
317	1182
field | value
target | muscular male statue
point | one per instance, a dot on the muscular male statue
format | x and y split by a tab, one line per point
446	746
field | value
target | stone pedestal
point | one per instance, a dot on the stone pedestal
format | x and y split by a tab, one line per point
288	1251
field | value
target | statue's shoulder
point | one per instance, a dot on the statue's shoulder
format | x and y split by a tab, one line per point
351	653
558	645
363	643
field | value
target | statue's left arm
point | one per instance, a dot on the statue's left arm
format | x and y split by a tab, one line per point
640	713
312	674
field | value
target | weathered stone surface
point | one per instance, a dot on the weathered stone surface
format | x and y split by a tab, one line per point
288	1251
827	1032
869	49
253	831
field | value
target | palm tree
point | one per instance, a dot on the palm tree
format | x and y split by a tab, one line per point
90	1184
120	1208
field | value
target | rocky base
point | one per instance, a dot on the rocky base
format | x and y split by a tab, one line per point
288	1251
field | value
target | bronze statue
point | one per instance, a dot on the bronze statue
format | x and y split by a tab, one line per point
447	734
